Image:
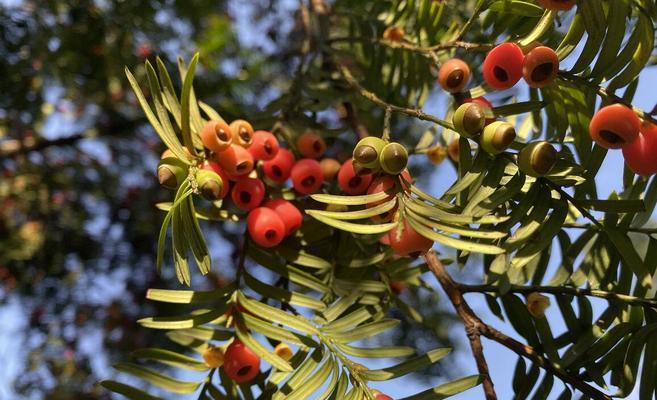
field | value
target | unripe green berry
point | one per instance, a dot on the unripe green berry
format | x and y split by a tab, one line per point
367	151
497	137
537	158
469	119
360	170
210	184
171	172
393	158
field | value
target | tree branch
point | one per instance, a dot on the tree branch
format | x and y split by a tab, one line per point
346	74
573	291
351	117
602	92
475	326
14	147
470	320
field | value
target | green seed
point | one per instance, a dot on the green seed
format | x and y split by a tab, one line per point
497	137
469	119
393	158
537	158
367	151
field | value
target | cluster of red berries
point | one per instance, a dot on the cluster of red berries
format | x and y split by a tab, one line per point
618	127
503	67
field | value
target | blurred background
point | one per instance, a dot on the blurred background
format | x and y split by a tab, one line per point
78	226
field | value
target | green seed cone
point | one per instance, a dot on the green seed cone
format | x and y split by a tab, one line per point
469	119
210	184
497	137
537	158
367	151
361	170
393	158
171	172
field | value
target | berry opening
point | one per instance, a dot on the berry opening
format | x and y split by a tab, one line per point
500	74
267	147
243	371
222	135
317	146
542	72
241	167
276	170
611	137
309	181
244	135
355	181
245	197
271	234
455	78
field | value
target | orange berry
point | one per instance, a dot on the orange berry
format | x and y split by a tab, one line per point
216	136
394	34
454	75
243	132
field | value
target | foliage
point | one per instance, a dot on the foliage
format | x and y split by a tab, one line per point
327	288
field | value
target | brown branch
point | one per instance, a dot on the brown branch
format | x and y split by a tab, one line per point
470	320
351	117
413	112
14	147
605	94
476	327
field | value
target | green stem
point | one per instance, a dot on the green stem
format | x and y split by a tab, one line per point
208	382
475	14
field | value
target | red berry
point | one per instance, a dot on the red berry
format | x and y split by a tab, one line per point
540	67
349	182
288	212
382	396
397	287
640	154
311	145
389	185
614	126
307	176
265	227
503	66
216	135
213	166
559	5
248	193
264	146
406	241
241	364
235	160
454	75
278	169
